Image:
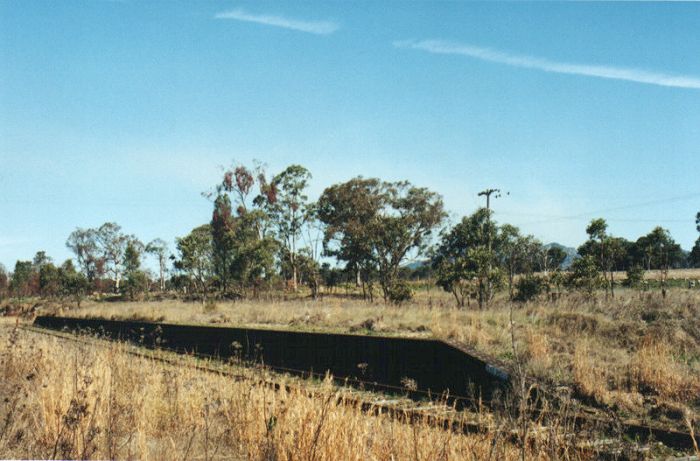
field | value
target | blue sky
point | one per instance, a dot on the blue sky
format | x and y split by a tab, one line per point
125	110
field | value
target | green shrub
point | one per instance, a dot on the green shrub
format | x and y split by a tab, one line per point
635	277
400	292
135	284
530	287
584	275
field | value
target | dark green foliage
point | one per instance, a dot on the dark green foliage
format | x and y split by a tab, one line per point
309	271
373	225
658	250
132	257
223	239
21	278
584	275
4	282
609	253
555	257
516	253
333	276
40	260
463	264
254	256
243	252
694	256
101	251
196	258
287	207
159	249
635	276
135	283
83	242
49	280
112	244
347	210
73	284
400	292
530	287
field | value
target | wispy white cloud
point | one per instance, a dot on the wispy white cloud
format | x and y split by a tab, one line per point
311	27
531	62
8	242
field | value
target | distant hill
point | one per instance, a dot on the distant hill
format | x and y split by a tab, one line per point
417	264
571	253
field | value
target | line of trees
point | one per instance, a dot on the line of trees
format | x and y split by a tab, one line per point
40	277
265	233
371	226
477	254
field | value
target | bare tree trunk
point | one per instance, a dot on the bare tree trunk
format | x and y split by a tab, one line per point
162	274
294	277
460	302
481	294
510	284
612	283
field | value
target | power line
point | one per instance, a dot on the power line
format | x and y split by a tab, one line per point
585	215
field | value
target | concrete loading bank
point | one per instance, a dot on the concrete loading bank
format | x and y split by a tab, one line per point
420	367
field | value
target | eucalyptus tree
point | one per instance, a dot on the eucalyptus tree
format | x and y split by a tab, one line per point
4	281
373	225
584	274
551	258
694	256
516	253
83	242
288	209
112	244
136	280
20	283
243	252
49	280
659	251
195	257
346	210
223	240
609	253
73	284
41	259
464	262
159	249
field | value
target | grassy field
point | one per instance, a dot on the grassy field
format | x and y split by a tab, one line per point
637	354
634	356
67	400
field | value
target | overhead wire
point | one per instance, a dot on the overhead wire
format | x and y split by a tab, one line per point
587	214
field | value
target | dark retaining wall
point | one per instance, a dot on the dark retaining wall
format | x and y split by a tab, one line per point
435	366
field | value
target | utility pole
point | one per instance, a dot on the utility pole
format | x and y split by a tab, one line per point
487	193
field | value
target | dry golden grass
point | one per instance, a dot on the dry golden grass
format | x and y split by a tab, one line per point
605	348
67	400
655	367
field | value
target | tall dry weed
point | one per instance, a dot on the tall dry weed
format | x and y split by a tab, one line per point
77	401
656	368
